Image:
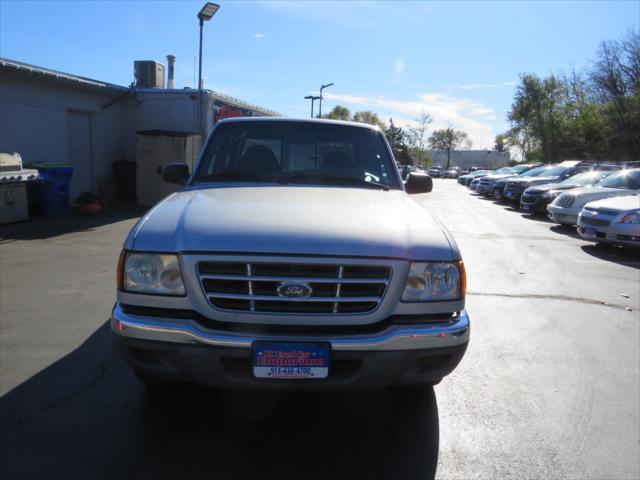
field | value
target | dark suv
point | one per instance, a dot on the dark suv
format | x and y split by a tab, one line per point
515	187
536	199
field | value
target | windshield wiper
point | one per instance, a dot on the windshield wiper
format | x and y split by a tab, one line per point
231	176
330	179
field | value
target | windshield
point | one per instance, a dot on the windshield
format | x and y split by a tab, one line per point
297	153
586	178
534	172
519	169
555	171
625	179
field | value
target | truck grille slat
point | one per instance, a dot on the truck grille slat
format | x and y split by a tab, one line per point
334	289
240	296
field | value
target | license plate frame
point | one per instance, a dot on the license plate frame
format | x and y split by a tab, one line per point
274	360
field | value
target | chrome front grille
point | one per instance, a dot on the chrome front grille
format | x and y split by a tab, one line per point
565	201
256	286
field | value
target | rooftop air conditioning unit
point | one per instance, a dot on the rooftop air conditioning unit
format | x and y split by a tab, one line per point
148	73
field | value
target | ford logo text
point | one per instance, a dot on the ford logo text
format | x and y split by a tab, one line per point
294	290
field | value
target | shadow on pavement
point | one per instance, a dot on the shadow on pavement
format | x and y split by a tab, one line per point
621	255
48	227
568	230
85	416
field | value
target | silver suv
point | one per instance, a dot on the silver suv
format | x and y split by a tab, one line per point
292	255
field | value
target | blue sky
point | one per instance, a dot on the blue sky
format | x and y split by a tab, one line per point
459	61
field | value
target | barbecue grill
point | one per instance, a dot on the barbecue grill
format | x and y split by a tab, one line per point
13	188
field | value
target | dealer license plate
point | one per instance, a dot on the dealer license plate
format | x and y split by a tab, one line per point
291	360
589	233
526	206
509	194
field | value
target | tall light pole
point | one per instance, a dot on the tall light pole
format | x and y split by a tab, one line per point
205	14
322	87
313	99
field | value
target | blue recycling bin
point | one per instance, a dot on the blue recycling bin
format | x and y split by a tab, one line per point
51	193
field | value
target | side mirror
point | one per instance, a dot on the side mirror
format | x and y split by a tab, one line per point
418	183
176	173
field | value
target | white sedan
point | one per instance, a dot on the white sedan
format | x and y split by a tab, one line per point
612	220
566	207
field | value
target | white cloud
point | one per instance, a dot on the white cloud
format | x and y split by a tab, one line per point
351	99
427	7
472	117
398	68
479	86
258	35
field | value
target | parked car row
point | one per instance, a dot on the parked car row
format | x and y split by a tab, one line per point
439	172
602	200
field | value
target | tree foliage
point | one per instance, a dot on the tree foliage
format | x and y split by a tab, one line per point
398	141
367	116
417	137
339	113
585	115
500	144
448	140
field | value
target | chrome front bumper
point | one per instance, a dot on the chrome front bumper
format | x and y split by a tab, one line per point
396	337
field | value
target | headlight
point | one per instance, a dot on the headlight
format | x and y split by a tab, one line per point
152	273
633	217
435	281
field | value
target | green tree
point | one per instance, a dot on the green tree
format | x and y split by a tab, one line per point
367	116
538	108
616	81
448	140
521	139
339	113
417	134
500	143
398	142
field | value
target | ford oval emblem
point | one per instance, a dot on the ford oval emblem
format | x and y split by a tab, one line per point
294	290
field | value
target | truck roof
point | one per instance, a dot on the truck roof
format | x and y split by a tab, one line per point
320	121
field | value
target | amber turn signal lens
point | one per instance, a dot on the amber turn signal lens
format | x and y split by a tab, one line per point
463	279
120	271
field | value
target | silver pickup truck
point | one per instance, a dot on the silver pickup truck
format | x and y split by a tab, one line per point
293	256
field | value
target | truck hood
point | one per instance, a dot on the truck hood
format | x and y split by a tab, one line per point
495	178
551	186
620	204
294	220
529	182
585	195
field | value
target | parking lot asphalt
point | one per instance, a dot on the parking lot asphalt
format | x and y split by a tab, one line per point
549	387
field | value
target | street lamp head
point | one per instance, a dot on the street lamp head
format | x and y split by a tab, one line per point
327	85
208	11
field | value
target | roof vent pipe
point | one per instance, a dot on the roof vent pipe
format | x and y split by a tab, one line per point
171	60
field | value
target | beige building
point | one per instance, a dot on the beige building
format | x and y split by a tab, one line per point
52	116
466	159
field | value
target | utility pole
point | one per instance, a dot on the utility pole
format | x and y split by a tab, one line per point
205	14
322	87
313	99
